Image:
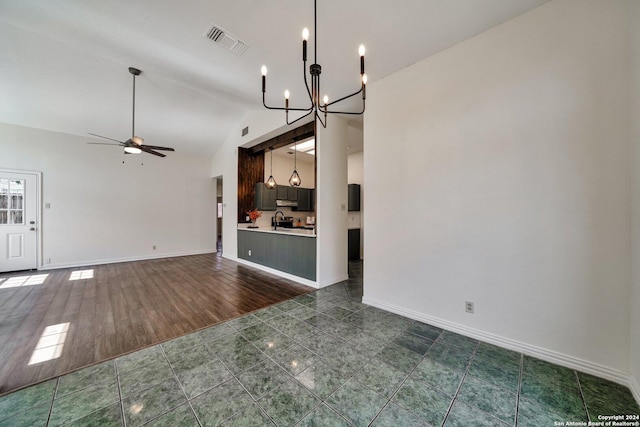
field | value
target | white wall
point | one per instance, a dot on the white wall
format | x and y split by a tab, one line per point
102	210
510	154
634	15
331	202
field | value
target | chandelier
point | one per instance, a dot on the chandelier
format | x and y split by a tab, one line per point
318	109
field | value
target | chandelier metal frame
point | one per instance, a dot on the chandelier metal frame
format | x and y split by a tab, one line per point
315	70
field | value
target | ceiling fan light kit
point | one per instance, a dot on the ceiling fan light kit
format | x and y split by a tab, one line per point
134	145
132	150
316	107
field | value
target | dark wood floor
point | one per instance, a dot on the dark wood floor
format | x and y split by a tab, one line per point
122	308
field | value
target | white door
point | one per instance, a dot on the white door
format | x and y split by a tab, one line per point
18	221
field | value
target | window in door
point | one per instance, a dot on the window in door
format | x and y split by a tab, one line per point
11	201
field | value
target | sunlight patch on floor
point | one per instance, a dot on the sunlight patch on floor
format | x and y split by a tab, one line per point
18	281
81	274
50	344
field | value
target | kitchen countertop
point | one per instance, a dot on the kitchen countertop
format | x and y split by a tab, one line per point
293	231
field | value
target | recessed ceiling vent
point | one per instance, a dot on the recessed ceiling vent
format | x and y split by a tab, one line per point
226	39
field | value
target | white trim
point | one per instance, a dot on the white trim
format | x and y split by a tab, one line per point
125	259
635	388
333	281
508	343
275	272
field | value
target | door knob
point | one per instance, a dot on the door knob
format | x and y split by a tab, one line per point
32	229
32	222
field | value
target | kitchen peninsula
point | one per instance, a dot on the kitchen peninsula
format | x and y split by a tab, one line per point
290	250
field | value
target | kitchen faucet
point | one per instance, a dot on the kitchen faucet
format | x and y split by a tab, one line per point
275	222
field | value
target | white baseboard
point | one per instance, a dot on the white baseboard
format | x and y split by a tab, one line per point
125	259
275	272
333	281
511	344
635	388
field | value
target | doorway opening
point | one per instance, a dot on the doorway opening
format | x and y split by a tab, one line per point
219	214
355	200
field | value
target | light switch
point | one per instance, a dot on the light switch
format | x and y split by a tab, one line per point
47	205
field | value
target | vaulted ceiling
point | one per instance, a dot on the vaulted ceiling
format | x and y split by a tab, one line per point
63	64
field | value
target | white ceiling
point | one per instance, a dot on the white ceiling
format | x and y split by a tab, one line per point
63	64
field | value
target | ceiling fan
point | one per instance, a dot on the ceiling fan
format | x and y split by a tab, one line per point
134	145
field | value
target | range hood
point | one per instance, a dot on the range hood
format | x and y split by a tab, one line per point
287	203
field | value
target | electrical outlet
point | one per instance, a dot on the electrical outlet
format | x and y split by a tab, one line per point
47	205
249	252
154	247
468	306
48	261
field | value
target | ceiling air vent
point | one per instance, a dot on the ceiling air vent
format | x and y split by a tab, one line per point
226	39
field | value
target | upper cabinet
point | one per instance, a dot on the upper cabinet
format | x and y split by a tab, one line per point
353	193
305	200
285	192
265	198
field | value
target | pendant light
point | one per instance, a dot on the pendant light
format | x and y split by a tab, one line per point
271	183
295	179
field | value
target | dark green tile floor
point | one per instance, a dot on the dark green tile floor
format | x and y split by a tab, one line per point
322	359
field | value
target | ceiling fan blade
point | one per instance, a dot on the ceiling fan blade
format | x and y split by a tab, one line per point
105	137
155	147
104	143
150	151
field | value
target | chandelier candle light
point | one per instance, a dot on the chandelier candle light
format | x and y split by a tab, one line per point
315	69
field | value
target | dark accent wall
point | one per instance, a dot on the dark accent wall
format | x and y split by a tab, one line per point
250	171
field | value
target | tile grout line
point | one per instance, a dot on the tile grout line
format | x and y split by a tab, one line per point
124	420
53	398
424	356
181	389
235	376
247	391
520	378
466	371
584	401
320	357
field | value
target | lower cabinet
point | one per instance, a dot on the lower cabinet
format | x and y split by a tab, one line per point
285	252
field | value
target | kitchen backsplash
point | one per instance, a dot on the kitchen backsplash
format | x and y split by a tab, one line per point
265	219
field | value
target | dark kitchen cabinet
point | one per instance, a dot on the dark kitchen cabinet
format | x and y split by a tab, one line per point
286	192
353	195
354	244
282	193
285	252
305	200
265	198
292	193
